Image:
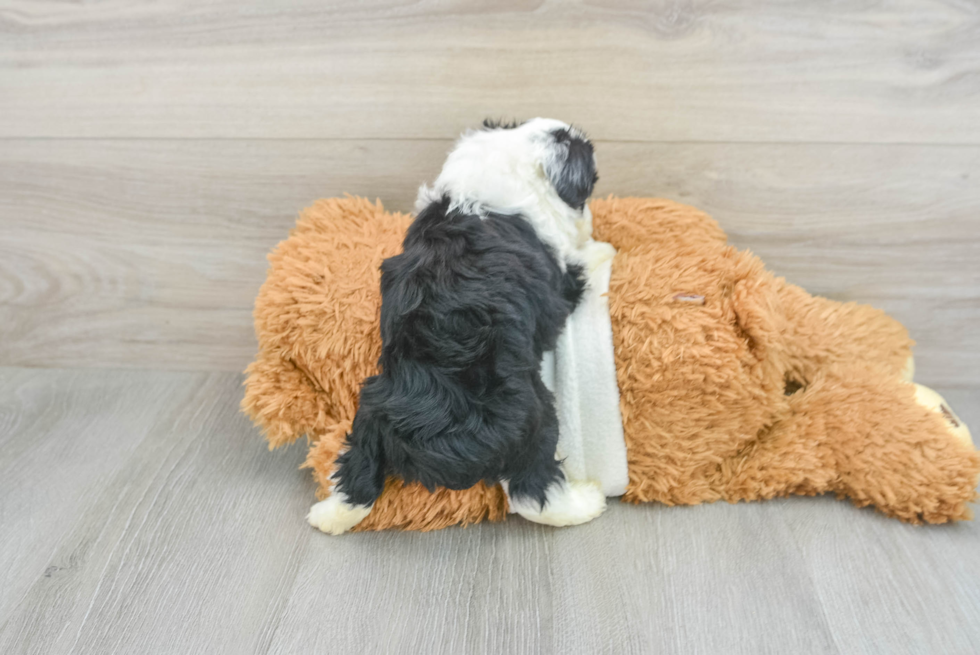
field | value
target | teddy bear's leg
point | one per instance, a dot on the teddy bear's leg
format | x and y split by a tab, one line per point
859	432
785	459
821	332
936	403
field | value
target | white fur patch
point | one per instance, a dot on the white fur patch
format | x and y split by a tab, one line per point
335	515
569	503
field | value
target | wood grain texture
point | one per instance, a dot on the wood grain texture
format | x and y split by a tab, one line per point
150	542
902	71
152	153
149	253
166	527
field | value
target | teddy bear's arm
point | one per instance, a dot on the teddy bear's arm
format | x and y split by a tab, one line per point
656	224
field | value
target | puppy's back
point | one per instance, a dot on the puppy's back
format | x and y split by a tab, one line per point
467	310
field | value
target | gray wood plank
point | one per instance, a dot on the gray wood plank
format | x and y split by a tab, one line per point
886	587
903	71
177	532
149	253
61	434
188	547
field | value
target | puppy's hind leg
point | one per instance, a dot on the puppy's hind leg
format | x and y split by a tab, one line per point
568	503
359	481
540	493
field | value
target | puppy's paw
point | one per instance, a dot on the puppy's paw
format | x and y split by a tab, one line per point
570	503
335	516
596	253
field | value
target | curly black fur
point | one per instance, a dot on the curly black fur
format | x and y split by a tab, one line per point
467	311
576	178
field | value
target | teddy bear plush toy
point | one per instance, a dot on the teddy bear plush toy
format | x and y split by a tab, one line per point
732	384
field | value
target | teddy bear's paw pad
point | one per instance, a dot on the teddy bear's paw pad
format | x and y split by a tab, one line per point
570	503
933	401
335	516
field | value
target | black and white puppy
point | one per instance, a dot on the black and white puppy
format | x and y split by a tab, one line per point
484	285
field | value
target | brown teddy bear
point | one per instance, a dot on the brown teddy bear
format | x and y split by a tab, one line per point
734	385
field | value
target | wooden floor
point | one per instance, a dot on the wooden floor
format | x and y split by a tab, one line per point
140	515
152	153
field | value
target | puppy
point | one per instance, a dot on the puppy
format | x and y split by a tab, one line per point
487	277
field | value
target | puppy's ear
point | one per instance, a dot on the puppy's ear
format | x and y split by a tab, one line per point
500	124
572	170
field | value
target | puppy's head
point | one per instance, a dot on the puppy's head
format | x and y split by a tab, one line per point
570	166
542	168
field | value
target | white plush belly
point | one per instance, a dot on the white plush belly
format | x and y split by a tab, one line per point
582	374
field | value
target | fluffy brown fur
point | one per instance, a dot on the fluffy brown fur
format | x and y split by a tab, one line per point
761	390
